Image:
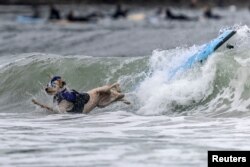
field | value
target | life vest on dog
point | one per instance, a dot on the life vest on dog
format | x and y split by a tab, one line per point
78	99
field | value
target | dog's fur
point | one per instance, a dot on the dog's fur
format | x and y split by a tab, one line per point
99	97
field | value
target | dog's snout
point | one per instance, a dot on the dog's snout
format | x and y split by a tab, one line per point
46	89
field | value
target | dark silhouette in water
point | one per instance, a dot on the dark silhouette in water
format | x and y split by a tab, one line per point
181	17
54	13
88	18
119	12
209	14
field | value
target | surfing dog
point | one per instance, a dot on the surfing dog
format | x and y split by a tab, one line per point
71	101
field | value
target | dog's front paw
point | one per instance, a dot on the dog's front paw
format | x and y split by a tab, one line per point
126	102
34	101
117	88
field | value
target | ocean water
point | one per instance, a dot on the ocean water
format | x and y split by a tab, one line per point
169	123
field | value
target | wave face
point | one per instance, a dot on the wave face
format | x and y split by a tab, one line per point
220	86
26	77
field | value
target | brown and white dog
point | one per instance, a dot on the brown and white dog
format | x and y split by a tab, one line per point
71	101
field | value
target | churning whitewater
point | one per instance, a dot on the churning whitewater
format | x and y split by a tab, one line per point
218	85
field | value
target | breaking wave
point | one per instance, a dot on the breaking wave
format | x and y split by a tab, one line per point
219	86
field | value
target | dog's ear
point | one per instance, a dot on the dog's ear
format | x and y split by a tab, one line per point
62	83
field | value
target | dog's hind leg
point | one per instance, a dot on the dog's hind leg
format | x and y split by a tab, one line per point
107	88
125	101
116	87
108	99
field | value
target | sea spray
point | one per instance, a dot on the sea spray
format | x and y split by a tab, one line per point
208	87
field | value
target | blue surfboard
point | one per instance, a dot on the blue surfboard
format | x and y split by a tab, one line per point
204	53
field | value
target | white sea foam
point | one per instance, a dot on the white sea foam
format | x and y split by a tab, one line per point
158	95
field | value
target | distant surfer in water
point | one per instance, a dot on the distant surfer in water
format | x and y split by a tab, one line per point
54	13
181	17
119	12
209	14
90	17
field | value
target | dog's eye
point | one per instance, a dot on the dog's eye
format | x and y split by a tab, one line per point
53	84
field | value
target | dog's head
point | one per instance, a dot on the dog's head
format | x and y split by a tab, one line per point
55	85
